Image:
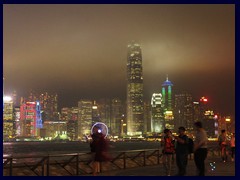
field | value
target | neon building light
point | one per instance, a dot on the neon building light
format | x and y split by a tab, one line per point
167	96
30	117
157	118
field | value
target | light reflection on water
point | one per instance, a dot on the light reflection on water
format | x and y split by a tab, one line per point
35	148
18	149
43	148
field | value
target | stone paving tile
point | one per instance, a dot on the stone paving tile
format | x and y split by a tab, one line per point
222	169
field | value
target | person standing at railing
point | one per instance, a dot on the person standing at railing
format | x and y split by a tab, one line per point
181	151
99	148
200	148
168	150
232	144
223	143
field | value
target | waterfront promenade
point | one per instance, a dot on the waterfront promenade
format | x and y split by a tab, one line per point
222	169
141	162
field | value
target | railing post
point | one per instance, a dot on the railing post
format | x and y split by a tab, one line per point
158	158
144	158
48	164
45	166
100	166
77	165
11	167
124	160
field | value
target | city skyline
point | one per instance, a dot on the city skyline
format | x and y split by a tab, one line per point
80	51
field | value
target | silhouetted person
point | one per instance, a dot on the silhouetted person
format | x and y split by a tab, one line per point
232	144
181	151
222	140
99	148
200	148
168	150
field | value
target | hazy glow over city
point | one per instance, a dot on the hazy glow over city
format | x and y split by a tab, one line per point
80	51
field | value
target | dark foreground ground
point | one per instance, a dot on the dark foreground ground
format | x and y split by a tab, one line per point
222	169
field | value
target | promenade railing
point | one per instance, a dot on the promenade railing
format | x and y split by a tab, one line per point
75	164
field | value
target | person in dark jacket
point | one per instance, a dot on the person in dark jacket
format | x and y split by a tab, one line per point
181	151
99	149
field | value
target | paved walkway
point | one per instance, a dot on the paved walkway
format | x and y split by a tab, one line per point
222	169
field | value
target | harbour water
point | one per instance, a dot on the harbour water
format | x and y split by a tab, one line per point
35	148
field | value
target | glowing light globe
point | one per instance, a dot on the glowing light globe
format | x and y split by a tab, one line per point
99	127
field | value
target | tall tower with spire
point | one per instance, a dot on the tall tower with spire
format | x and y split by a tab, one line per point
135	116
167	102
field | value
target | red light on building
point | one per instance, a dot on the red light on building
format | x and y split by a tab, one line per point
204	99
28	103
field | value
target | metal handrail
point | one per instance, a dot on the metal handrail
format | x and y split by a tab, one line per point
78	163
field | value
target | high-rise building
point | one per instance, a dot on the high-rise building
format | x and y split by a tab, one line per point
17	120
203	112
104	111
56	130
49	104
157	118
147	117
65	114
8	118
207	117
210	123
71	117
135	117
95	113
196	111
167	99
117	117
30	118
85	116
183	111
14	97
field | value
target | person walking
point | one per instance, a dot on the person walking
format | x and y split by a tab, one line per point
232	144
168	151
200	148
181	151
223	143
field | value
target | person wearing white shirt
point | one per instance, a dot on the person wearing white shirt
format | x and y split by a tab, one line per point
200	148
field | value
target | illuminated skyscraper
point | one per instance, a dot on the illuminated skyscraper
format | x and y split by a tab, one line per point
104	111
167	97
49	104
183	115
157	118
85	117
31	120
8	118
147	116
117	117
135	122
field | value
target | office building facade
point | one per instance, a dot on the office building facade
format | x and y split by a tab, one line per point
135	115
167	100
157	118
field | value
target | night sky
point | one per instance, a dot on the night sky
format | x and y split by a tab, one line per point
80	51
